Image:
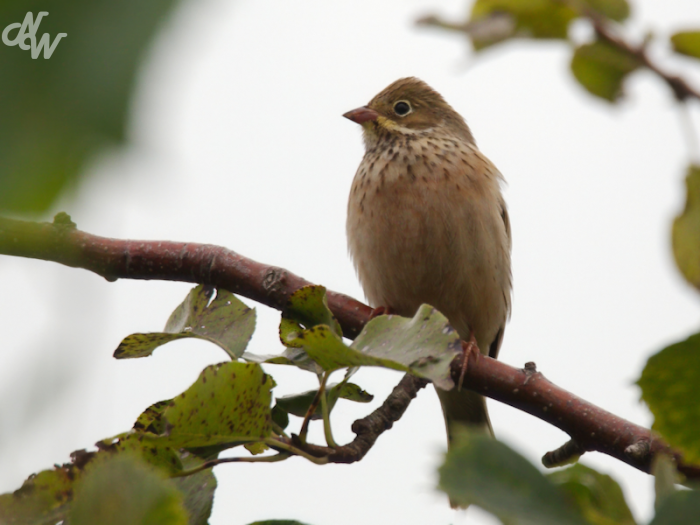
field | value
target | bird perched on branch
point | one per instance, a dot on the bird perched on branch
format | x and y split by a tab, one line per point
427	224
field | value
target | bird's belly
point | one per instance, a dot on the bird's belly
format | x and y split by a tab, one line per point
415	244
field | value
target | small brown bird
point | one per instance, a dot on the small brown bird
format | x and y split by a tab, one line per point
427	224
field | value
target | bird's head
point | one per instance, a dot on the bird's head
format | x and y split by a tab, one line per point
408	107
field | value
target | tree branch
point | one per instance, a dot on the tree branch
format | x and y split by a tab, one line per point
682	90
590	427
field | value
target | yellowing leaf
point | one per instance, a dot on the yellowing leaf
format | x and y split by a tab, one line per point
597	496
124	490
229	404
686	230
601	68
669	385
687	43
541	19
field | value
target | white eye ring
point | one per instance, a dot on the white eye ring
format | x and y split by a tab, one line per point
402	108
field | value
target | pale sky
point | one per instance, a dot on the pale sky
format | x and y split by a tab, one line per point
237	139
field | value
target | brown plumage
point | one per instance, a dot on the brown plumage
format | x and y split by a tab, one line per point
427	224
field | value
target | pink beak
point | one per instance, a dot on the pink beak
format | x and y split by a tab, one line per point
361	115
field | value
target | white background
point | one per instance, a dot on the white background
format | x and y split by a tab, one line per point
237	139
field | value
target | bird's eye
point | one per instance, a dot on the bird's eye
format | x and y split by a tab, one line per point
402	108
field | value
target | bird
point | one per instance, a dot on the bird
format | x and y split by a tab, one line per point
427	223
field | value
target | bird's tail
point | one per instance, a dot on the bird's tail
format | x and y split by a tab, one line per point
463	409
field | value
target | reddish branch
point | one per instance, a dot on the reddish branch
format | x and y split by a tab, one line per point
590	427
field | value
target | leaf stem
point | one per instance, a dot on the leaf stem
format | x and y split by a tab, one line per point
214	462
326	413
312	408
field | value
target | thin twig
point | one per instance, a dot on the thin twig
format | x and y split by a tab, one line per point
244	459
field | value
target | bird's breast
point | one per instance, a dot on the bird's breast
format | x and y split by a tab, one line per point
426	228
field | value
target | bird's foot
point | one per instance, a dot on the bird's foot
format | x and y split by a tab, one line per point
380	310
468	348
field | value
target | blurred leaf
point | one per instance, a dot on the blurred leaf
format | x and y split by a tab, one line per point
278	522
617	10
687	43
57	113
482	471
298	404
124	490
198	492
598	497
669	387
542	19
601	68
663	468
686	230
43	498
229	404
681	508
225	321
424	345
308	307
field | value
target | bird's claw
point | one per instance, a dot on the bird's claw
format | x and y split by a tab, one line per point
380	310
468	348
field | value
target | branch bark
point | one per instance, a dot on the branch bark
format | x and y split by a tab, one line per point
590	427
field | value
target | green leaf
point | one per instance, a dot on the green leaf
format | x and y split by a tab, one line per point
229	404
601	68
225	321
685	235
353	392
669	387
125	490
424	345
687	43
298	404
681	508
291	356
59	113
597	496
482	471
308	307
280	417
43	499
155	454
540	19
151	419
663	468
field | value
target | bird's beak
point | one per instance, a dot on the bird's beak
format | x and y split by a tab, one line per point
361	115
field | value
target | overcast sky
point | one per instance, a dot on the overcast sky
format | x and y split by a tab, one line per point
237	139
